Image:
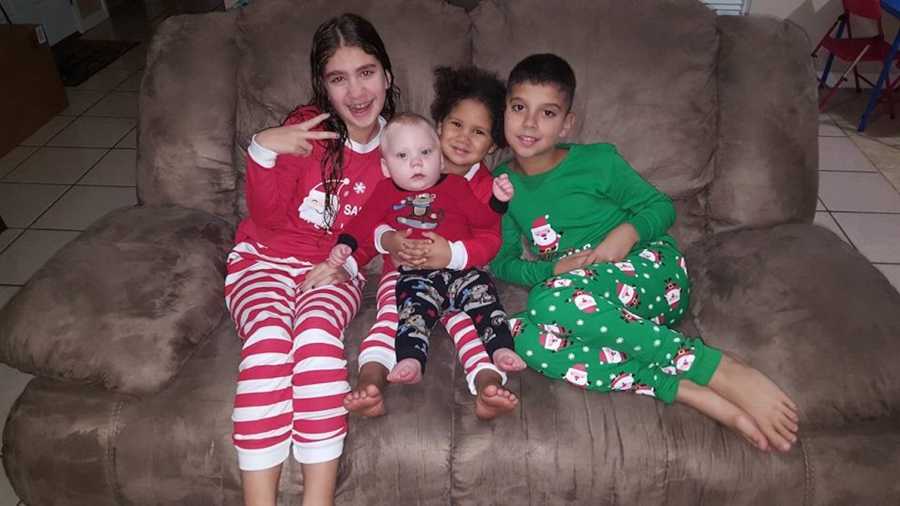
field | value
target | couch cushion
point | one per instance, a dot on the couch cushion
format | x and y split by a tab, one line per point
187	103
124	304
767	163
808	310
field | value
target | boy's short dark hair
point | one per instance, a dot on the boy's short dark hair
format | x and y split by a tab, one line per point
545	68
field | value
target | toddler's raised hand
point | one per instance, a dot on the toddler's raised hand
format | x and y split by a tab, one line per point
294	139
339	255
503	188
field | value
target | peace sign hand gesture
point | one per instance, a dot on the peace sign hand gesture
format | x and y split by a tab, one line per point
295	139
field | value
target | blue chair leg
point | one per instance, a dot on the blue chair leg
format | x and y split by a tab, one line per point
876	91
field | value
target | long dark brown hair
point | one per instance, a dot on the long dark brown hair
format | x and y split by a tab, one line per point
346	30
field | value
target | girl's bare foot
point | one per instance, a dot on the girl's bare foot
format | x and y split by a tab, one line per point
772	410
507	360
722	410
407	371
492	399
366	399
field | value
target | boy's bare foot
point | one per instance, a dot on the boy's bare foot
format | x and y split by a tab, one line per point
366	399
507	360
492	399
772	410
407	371
722	410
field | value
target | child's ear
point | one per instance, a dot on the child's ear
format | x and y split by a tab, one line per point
438	130
389	81
492	149
568	123
384	168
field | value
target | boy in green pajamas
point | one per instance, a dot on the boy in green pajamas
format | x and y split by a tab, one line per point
608	281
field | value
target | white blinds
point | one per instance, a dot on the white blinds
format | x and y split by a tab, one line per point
728	7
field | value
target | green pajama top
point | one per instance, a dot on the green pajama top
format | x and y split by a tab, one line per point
573	207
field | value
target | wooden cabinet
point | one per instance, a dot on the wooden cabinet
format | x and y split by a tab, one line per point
31	91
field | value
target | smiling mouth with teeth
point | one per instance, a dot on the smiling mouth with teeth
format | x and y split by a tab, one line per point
360	107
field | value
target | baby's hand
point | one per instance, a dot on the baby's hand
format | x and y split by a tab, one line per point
503	188
339	255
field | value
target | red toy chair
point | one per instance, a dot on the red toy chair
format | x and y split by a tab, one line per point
856	50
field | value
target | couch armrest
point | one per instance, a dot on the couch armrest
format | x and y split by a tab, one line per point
807	309
187	104
767	160
125	304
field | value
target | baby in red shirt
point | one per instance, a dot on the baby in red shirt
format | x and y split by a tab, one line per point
420	198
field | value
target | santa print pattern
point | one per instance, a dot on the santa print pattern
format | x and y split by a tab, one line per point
606	327
378	345
293	374
424	295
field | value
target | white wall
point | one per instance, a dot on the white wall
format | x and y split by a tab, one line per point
817	16
57	16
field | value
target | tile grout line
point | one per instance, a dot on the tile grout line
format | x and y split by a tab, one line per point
841	228
30	226
880	171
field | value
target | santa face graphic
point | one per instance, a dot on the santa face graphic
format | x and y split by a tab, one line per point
558	283
669	369
644	389
584	301
628	316
673	294
658	319
684	359
624	381
577	375
584	273
543	235
312	208
515	326
655	257
626	267
611	356
551	341
627	294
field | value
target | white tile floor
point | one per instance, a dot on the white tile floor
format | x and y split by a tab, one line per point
81	165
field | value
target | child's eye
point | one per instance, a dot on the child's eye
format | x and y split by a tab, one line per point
401	156
517	107
368	73
427	151
480	132
336	79
550	114
456	123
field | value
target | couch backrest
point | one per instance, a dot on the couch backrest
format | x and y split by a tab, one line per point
649	81
646	74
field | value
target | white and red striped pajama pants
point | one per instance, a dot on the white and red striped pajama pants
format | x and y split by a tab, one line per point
293	373
378	346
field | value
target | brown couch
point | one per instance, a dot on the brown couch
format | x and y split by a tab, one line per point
135	357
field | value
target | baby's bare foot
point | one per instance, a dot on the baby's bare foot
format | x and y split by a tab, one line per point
366	401
493	401
407	371
772	410
507	360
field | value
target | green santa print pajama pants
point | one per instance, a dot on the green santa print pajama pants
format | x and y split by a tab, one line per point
606	327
